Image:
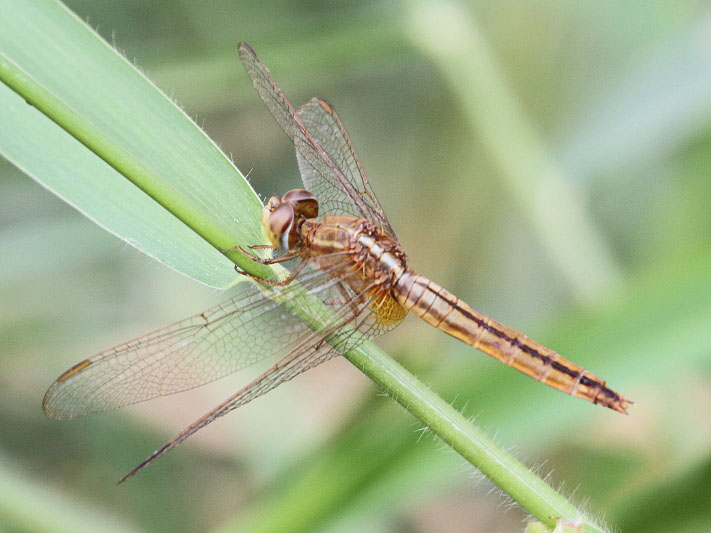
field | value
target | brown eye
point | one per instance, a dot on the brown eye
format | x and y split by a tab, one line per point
305	203
279	223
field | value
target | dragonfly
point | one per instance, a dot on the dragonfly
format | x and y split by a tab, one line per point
349	271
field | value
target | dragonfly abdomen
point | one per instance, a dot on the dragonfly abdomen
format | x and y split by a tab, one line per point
446	312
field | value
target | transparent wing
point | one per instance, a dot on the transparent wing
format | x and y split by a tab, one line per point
355	320
346	189
326	128
225	338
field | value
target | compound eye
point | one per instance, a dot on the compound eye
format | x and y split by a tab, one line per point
278	224
305	203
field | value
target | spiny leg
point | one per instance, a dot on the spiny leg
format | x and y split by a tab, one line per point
291	254
288	256
253	247
281	283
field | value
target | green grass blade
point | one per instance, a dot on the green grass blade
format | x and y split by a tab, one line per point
62	68
44	151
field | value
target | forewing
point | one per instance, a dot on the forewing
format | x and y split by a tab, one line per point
324	125
226	338
309	149
351	322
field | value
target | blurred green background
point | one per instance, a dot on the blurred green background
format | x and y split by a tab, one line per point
547	162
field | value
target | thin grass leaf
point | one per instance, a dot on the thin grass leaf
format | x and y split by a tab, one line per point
62	68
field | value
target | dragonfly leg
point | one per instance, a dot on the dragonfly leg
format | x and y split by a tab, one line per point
288	256
281	283
253	247
230	249
253	257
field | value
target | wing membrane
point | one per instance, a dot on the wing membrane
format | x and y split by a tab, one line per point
326	128
343	193
353	323
200	349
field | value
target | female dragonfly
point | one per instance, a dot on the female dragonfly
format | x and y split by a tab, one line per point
349	270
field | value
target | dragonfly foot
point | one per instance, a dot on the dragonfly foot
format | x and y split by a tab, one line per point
230	249
252	247
266	281
288	256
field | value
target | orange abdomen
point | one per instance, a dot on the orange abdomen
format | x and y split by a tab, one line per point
445	311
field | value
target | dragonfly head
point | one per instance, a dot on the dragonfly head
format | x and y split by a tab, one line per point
281	215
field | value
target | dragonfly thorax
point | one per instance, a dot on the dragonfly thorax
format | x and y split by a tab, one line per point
282	217
378	255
